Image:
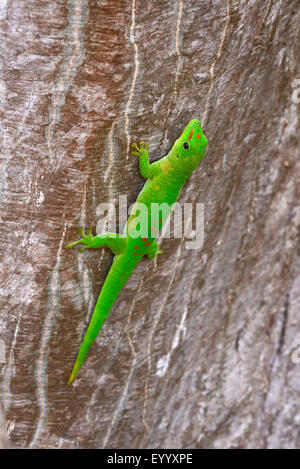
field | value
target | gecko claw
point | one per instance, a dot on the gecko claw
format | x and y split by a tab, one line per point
80	231
85	239
70	245
140	149
88	234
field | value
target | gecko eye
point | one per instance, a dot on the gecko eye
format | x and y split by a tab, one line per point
186	145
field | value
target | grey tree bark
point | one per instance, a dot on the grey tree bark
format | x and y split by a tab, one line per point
3	438
200	350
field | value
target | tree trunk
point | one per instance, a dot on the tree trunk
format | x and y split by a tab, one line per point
4	444
200	349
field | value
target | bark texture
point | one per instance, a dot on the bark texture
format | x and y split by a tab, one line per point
198	350
4	444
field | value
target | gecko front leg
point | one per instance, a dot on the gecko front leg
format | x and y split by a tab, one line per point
147	170
153	250
111	240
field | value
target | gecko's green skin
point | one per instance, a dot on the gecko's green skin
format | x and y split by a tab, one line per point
164	181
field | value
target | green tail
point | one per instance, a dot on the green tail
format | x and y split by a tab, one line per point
117	276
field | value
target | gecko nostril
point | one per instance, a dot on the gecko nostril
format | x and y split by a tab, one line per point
177	156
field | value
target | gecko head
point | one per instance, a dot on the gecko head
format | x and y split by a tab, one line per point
189	149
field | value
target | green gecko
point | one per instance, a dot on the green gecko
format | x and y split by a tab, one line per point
165	179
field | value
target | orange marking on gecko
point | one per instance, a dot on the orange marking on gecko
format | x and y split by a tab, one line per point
147	244
191	134
198	136
144	239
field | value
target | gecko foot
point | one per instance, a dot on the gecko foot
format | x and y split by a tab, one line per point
86	239
140	148
154	250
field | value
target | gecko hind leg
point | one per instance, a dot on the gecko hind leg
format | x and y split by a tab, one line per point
154	250
111	240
